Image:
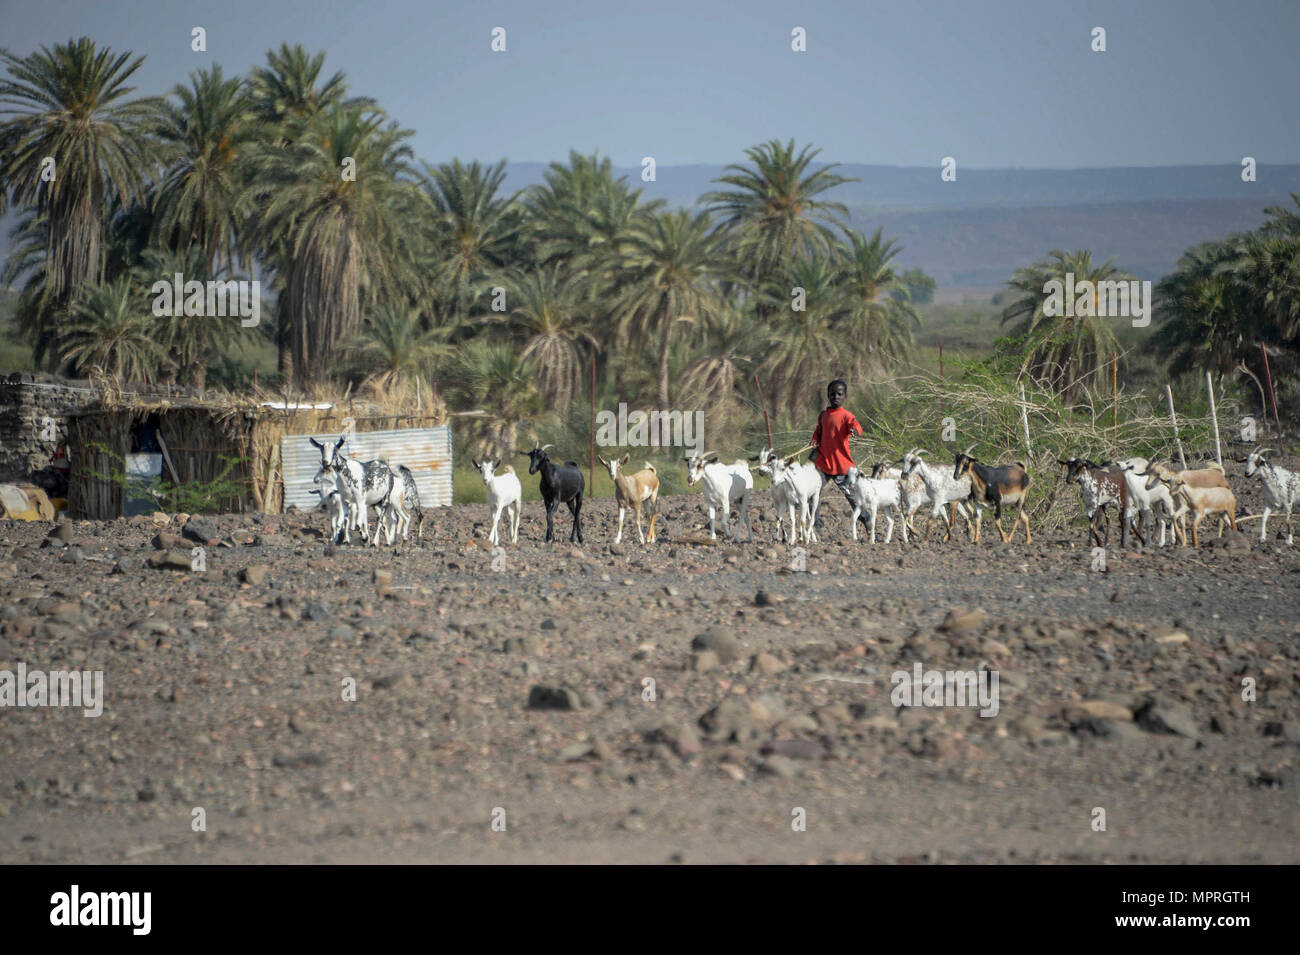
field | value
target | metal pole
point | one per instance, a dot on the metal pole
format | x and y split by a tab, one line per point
941	383
1214	419
1114	392
1273	394
1024	419
1181	457
762	402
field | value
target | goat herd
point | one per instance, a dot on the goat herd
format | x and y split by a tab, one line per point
1148	494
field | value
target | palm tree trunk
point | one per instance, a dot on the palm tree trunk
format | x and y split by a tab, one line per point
664	337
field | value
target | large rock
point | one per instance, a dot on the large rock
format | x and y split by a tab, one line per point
1162	715
200	530
720	641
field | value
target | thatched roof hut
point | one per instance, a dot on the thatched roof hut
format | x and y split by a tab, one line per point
231	443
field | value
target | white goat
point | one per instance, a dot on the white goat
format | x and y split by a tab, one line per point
801	490
871	494
782	500
394	518
504	494
330	487
332	500
944	492
1281	489
915	495
723	485
1154	504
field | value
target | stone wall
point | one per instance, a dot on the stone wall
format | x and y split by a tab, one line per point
33	422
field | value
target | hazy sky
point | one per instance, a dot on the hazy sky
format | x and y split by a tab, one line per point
905	82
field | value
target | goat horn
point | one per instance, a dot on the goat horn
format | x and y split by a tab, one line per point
545	446
969	450
921	451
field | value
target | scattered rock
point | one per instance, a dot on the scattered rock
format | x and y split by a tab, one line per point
553	698
721	642
1162	715
255	574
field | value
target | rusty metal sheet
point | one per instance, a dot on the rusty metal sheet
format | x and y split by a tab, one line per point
426	451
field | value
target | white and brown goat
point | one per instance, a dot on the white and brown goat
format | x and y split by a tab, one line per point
632	491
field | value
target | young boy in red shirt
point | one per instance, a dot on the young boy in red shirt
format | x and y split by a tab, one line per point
834	426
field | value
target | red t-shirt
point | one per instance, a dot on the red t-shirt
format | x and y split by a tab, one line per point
834	426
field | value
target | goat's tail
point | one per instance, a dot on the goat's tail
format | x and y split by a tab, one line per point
651	468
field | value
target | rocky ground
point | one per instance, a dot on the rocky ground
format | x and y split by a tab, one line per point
516	691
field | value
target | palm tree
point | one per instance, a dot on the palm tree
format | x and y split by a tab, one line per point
1061	351
549	308
772	214
710	379
68	103
1268	267
495	379
805	348
673	275
338	242
474	229
287	95
192	342
287	92
395	346
879	303
109	331
206	133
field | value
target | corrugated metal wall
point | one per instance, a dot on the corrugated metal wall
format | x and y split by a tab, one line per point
426	451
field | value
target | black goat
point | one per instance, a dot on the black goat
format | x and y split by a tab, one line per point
559	483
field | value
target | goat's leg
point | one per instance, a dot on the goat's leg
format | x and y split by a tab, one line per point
713	513
1232	520
619	536
1196	525
636	512
904	532
515	508
550	520
853	520
1263	524
889	528
492	534
575	508
744	520
1024	515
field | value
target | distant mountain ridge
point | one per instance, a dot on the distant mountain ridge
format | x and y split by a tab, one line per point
978	230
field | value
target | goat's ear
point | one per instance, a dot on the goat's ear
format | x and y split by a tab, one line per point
627	457
342	438
603	462
475	463
317	443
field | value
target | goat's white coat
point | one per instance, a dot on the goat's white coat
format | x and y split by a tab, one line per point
504	495
872	494
723	484
1281	491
